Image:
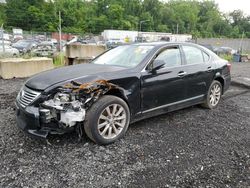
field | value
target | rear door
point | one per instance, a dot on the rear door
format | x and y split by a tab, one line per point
200	71
167	85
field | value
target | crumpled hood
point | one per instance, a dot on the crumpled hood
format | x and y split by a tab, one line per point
47	79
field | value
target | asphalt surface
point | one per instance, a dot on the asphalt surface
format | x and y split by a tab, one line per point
194	147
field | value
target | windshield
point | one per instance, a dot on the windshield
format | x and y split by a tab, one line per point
124	56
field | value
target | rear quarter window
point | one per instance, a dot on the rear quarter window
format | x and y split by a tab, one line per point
206	57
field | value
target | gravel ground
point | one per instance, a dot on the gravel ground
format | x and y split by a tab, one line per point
240	70
194	147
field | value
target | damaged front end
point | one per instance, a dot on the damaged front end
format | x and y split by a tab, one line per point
67	107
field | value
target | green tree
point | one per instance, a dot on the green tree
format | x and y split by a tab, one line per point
2	14
199	18
115	15
240	22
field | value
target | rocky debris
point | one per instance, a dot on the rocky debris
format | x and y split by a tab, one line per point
194	147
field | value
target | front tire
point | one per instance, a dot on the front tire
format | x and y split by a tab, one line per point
213	96
107	120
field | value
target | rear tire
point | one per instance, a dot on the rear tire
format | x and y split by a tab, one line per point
107	120
213	96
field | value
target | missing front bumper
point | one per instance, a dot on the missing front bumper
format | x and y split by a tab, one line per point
28	120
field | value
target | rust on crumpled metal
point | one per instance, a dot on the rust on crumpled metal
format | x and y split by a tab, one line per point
90	87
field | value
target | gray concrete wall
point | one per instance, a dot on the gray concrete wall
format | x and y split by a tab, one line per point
84	50
233	43
21	68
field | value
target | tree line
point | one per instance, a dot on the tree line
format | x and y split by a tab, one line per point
199	18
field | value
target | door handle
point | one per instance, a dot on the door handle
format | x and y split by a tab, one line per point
209	69
182	73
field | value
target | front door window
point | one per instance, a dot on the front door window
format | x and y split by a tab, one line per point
171	57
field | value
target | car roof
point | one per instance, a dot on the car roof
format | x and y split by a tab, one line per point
45	43
163	43
25	40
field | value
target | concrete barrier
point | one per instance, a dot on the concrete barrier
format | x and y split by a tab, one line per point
21	68
82	53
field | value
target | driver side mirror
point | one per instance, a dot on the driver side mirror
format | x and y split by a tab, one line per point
156	65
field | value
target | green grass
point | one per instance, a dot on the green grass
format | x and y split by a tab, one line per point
58	60
227	57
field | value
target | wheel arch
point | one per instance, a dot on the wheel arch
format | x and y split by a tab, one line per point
118	93
221	80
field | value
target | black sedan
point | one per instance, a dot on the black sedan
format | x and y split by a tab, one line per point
119	87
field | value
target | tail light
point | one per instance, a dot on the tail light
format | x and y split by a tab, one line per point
229	66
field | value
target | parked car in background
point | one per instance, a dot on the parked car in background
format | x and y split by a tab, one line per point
121	86
54	41
17	38
17	34
225	50
40	38
4	38
6	42
141	39
209	46
63	45
8	51
25	46
86	41
112	43
45	49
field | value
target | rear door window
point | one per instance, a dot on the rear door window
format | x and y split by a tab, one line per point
193	55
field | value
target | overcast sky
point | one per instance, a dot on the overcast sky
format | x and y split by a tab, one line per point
230	5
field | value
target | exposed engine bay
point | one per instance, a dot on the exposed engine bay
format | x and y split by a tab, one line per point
68	105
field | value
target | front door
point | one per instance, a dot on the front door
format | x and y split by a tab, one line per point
166	85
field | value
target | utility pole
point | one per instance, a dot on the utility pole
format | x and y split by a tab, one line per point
241	41
2	35
60	35
177	28
140	26
60	31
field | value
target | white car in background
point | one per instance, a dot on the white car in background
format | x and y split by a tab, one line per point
8	51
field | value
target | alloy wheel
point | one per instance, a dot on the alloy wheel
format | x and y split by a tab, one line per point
112	121
215	94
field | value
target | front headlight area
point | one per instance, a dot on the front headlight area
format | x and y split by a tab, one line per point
67	107
64	109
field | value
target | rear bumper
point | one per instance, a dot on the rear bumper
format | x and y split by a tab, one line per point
28	120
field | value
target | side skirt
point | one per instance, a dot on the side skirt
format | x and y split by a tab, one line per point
169	108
